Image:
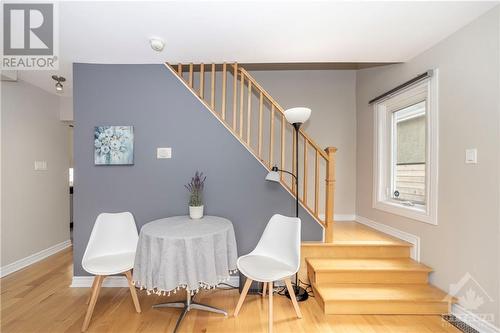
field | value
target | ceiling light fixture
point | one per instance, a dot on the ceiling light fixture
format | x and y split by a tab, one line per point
59	79
157	44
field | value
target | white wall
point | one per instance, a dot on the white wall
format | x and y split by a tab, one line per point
35	204
331	94
66	108
467	236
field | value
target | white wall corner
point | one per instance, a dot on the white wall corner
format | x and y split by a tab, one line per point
66	108
403	235
344	217
473	320
340	217
29	260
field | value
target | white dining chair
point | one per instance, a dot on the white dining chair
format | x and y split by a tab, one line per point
276	257
110	250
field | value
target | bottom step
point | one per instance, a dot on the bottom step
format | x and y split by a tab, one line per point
421	299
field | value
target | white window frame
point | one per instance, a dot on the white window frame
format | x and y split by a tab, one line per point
382	200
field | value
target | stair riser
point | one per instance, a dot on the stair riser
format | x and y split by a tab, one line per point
356	252
383	277
386	307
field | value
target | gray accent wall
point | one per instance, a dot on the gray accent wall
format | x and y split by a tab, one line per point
164	113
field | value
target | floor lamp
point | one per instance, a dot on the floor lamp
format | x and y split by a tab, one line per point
296	117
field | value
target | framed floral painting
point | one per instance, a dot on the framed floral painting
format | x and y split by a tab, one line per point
114	145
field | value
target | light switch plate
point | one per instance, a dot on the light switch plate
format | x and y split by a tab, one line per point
471	156
40	165
163	153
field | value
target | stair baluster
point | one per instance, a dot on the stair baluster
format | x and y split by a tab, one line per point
240	125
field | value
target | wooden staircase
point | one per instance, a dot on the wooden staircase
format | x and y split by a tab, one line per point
252	115
371	277
370	273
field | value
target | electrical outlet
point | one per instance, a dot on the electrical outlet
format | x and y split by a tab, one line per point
163	153
40	165
471	156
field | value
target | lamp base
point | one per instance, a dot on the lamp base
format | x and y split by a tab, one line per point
300	293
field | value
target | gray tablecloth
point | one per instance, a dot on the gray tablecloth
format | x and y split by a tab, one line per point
178	252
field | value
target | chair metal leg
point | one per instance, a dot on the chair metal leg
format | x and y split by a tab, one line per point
187	306
181	318
93	300
270	307
204	307
242	296
293	298
178	305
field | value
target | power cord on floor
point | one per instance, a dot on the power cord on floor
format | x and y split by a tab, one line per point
278	290
308	288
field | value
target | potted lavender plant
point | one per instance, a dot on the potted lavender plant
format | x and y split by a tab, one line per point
195	188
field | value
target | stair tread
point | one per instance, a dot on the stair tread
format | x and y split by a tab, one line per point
394	243
369	264
381	292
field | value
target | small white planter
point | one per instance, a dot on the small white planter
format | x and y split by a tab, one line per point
196	212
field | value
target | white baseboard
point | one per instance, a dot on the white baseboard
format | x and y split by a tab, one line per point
473	320
121	281
29	260
340	217
403	235
344	217
110	282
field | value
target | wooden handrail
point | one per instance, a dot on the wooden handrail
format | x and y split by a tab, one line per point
279	108
243	119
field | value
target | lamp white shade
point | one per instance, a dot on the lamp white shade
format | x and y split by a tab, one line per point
297	115
273	176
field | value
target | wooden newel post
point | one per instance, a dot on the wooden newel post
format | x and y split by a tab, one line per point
330	193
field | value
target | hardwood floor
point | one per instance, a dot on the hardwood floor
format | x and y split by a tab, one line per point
39	299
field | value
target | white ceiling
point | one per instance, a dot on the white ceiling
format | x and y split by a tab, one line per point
251	32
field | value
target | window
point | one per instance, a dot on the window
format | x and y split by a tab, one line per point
405	165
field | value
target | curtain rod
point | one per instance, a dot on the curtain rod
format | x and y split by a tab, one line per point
416	79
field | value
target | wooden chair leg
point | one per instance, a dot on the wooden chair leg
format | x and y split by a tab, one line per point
93	300
133	292
264	289
91	290
242	296
292	297
270	307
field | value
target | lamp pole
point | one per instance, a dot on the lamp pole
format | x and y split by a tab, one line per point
297	127
295	116
300	293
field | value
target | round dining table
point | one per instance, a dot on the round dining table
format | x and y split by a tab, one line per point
178	252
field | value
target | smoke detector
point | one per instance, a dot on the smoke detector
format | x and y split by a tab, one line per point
157	44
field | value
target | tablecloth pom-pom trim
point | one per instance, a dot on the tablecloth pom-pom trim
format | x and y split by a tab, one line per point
201	285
